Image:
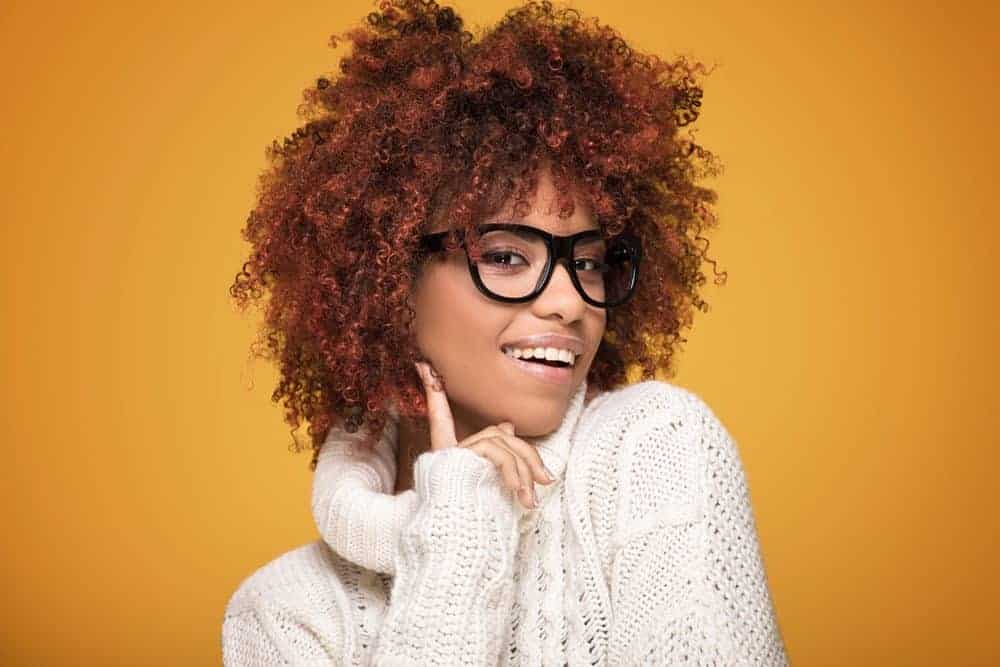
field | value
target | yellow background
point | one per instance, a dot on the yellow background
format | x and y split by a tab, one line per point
850	353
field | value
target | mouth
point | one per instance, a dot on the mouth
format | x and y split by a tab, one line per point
547	371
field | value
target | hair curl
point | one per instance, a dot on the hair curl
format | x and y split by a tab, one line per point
426	121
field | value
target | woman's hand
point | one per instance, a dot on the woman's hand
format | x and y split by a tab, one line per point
518	461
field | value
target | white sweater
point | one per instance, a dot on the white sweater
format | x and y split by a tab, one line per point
643	552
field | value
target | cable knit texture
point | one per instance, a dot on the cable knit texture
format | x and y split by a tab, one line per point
644	552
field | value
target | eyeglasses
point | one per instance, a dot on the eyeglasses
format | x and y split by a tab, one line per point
513	263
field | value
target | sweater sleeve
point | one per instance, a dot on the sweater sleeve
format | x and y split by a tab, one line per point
307	606
688	581
453	588
353	504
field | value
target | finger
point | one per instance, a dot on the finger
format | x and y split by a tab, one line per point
525	450
529	453
439	417
501	457
527	488
515	473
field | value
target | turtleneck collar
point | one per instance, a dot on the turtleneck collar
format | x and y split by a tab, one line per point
554	450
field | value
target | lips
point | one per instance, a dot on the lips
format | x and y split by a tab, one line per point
546	362
552	363
554	375
551	339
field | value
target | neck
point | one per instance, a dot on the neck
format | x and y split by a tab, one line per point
414	439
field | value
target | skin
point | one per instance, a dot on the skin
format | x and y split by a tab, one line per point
460	331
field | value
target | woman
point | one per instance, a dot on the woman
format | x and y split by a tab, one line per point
452	245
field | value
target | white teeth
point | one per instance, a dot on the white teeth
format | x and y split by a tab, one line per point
547	353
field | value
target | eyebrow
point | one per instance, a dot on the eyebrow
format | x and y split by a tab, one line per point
515	221
526	235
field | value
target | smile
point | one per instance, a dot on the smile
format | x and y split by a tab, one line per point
557	375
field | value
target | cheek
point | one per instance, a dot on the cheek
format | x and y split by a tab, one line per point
600	322
596	327
452	319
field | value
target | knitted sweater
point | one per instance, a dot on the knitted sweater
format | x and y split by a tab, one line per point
643	552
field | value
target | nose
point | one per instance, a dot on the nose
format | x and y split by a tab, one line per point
560	296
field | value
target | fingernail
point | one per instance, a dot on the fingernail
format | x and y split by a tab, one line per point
425	375
534	498
548	473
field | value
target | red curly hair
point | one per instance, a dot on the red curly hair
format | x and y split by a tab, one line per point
426	122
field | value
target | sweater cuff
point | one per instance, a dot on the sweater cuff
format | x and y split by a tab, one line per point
456	477
454	572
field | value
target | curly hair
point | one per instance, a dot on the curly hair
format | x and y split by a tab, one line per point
428	122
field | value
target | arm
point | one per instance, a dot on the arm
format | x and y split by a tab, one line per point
454	581
353	504
689	581
450	597
322	602
307	606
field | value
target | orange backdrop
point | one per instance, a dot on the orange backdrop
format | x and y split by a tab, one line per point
849	354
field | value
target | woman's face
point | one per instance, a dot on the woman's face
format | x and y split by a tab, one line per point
461	331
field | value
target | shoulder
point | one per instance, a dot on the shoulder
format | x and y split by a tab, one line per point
297	606
630	409
309	564
665	440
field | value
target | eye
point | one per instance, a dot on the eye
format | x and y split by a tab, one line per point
489	256
596	265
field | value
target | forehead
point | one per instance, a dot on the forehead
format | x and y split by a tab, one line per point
544	213
543	210
552	224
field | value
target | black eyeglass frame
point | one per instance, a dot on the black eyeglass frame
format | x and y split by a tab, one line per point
559	247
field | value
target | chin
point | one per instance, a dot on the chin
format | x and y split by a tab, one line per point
537	425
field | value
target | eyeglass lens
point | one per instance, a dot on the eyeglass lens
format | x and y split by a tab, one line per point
512	265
